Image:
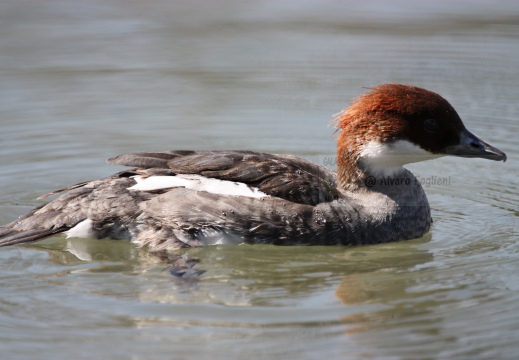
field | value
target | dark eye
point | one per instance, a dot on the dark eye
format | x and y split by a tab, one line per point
431	125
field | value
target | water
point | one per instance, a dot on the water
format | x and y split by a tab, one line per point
85	80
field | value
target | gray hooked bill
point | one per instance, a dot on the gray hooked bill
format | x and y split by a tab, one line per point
472	146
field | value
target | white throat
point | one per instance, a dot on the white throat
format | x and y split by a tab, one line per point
387	159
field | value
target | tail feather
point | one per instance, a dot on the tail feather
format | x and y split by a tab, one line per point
99	199
9	236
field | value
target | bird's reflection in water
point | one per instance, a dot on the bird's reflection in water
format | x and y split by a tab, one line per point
251	274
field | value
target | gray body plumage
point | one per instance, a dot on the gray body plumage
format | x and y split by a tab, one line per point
175	199
305	205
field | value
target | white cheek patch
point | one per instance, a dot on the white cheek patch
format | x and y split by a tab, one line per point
389	158
198	183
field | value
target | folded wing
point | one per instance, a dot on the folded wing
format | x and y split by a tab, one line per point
284	176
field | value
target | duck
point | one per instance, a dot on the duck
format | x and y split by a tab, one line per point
169	200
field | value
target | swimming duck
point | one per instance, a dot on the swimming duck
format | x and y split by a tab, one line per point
175	199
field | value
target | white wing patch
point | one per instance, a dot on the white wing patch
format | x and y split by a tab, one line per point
82	230
198	183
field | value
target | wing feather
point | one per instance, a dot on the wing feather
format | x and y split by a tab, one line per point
287	177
